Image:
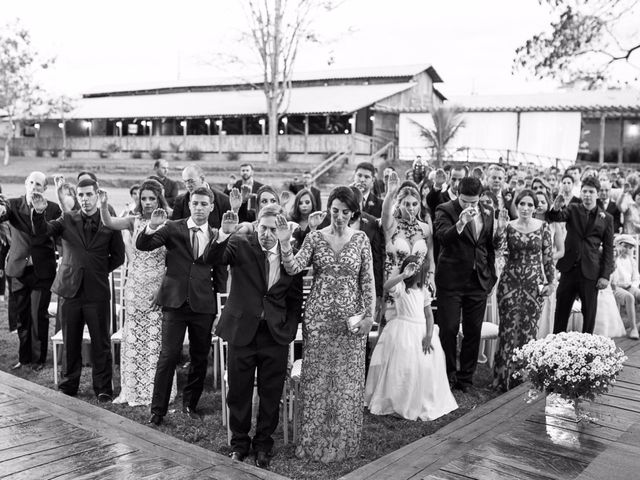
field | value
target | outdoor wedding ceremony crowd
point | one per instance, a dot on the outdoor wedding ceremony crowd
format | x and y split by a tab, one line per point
418	256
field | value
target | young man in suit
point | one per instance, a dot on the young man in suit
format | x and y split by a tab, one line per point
91	252
609	206
259	321
465	275
364	177
31	268
160	169
587	263
187	296
193	177
246	180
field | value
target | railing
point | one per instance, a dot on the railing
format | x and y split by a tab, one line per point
487	155
383	150
329	163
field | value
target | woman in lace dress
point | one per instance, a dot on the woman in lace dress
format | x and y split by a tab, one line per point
332	379
404	232
526	280
142	329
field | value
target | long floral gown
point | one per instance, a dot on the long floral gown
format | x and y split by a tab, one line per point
332	378
529	264
142	329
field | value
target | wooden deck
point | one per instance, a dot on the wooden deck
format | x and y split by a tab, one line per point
507	438
45	434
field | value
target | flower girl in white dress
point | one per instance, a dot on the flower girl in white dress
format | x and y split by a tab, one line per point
407	374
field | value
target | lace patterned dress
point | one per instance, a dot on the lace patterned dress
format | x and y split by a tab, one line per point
332	378
409	238
529	264
142	329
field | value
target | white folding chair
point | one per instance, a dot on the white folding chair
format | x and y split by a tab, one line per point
119	281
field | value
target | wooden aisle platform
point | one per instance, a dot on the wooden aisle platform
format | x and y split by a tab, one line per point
508	438
45	434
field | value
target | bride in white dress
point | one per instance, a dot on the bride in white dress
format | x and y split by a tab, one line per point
407	374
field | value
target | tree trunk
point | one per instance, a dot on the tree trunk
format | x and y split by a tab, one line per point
273	134
64	140
6	151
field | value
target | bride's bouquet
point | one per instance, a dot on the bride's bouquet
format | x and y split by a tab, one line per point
573	365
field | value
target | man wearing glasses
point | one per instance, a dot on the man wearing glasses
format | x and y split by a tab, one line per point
193	177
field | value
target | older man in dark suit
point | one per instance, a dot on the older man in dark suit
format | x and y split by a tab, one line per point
91	252
31	268
187	296
259	320
465	275
588	262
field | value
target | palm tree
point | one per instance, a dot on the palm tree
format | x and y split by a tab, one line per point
447	120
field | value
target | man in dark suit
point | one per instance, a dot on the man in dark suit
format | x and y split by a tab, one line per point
438	194
307	182
364	176
31	268
193	177
588	255
609	206
160	169
91	251
246	179
259	320
465	275
187	296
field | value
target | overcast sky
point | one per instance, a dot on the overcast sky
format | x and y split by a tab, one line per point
471	43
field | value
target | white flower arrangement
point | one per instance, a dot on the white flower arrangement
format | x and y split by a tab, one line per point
573	365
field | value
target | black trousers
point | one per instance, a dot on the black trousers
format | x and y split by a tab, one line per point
74	314
28	311
270	360
573	283
174	324
471	302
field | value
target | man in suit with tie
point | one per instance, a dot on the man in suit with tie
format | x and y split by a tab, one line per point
187	296
246	180
91	252
259	321
31	268
193	177
465	275
363	179
587	263
609	206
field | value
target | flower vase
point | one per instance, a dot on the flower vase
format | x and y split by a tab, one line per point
563	408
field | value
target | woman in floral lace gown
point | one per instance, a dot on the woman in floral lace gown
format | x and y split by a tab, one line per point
526	280
332	379
142	329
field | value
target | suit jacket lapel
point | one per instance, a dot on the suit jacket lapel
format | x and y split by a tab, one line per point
259	254
76	218
186	236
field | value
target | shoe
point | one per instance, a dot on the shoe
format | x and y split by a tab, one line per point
463	387
17	366
237	456
155	420
104	398
263	460
633	334
193	414
36	367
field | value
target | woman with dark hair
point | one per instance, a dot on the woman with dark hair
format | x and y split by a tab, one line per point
266	195
405	232
142	330
629	206
408	372
527	278
304	204
338	317
425	187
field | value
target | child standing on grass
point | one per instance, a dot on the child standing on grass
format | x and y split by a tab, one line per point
407	374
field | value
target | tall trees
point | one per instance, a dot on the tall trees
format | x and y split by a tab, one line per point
19	90
590	43
276	30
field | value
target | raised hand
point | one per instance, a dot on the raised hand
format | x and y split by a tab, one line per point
467	214
103	197
315	219
503	220
410	270
285	197
38	202
158	217
235	199
58	180
393	183
558	203
246	192
283	231
230	222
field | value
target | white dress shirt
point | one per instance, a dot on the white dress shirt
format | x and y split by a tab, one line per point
202	233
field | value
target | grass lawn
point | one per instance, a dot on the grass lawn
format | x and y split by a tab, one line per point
381	434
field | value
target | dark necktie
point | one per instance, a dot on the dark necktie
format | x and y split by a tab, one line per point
88	229
195	244
267	266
